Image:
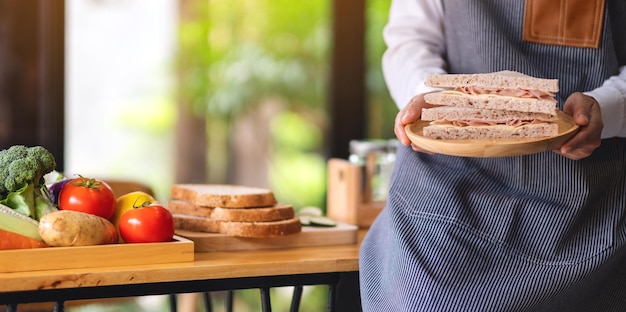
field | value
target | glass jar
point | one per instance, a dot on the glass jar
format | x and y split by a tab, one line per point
376	159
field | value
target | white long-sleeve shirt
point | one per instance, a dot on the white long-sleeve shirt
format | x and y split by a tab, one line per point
416	47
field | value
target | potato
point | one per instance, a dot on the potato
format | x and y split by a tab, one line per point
72	228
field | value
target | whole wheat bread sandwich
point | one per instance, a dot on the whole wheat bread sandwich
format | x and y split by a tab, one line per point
494	105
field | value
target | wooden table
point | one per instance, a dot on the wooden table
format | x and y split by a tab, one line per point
336	266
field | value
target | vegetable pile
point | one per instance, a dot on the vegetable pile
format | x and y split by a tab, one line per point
70	212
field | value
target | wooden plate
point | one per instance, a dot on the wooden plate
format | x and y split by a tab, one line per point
493	147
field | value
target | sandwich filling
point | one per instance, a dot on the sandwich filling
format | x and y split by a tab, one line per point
518	93
478	123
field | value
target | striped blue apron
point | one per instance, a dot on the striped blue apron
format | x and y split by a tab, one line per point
529	233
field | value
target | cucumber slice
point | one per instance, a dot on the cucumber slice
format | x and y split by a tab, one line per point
13	221
305	220
322	221
310	211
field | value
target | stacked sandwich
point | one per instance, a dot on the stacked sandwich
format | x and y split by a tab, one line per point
235	210
495	105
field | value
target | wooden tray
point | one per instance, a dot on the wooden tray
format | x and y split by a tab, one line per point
342	234
493	147
51	258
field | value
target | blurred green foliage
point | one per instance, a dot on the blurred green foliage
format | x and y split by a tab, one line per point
298	171
237	52
382	110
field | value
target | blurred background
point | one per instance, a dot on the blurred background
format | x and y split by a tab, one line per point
252	92
244	83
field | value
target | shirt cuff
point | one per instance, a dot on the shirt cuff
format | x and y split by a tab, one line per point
612	102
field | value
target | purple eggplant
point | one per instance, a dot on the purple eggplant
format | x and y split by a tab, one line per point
55	190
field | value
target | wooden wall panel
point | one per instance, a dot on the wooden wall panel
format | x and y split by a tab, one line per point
347	104
32	40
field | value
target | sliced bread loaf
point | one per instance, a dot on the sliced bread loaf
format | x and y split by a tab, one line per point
238	229
223	196
274	213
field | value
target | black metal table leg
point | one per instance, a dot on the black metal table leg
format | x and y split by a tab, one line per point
347	288
173	303
229	300
296	298
265	299
208	303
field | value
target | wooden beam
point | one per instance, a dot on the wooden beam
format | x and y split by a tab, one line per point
32	78
51	99
347	104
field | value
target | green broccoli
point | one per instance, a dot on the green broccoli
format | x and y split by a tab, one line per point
22	183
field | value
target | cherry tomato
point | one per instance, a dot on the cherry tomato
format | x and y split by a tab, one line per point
88	195
148	224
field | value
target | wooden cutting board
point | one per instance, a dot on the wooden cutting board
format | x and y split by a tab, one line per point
341	234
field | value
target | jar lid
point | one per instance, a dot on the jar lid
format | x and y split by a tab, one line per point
364	147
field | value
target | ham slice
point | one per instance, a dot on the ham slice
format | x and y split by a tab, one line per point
521	93
475	123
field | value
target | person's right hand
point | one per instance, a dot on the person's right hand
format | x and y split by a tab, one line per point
409	114
586	113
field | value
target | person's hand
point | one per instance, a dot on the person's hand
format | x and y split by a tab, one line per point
409	114
586	113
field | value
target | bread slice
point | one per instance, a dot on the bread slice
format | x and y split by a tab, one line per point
495	102
274	213
451	113
238	229
223	196
450	132
262	229
196	223
501	79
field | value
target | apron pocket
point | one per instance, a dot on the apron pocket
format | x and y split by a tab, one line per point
574	23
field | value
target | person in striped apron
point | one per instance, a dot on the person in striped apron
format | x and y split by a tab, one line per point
540	232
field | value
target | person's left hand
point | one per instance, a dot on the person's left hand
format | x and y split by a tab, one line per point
410	113
586	113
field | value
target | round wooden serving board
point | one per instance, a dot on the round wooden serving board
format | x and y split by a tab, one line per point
493	147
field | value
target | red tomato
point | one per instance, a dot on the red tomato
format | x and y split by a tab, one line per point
88	195
148	224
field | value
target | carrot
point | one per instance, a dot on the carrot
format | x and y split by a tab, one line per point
11	240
